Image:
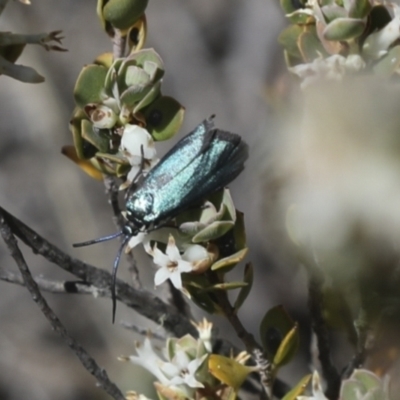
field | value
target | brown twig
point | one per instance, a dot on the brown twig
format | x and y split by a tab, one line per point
143	331
142	301
320	329
247	338
119	44
87	361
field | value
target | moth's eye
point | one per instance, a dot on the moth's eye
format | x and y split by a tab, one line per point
128	231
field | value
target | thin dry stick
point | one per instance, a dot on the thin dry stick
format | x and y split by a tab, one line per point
143	331
142	301
247	338
363	330
315	301
119	44
57	287
87	361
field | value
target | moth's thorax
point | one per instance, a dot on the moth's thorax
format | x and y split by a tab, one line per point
139	208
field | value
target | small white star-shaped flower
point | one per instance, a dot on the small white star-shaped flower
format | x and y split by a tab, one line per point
148	359
171	264
182	370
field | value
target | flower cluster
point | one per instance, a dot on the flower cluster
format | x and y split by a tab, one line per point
187	369
120	110
181	369
332	39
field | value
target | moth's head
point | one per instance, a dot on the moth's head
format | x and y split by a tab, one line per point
129	229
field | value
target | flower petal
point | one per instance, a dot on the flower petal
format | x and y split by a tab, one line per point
162	275
159	258
176	279
172	251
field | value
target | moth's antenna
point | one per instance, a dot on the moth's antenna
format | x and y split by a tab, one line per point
114	276
99	240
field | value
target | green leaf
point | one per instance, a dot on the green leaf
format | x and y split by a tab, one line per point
97	137
228	371
368	379
298	389
213	231
75	127
351	390
239	232
288	347
164	117
289	37
122	14
289	7
359	8
333	11
19	72
310	46
274	327
231	260
137	34
244	292
226	286
89	85
342	29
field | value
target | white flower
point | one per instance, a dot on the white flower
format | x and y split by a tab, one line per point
133	138
205	328
182	370
148	359
137	145
132	395
317	392
179	367
171	263
103	117
140	237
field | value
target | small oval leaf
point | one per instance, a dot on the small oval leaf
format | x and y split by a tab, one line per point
122	14
164	117
288	347
231	260
89	85
274	327
244	292
342	29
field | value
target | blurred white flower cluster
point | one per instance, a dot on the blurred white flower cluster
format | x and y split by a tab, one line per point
335	67
338	162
